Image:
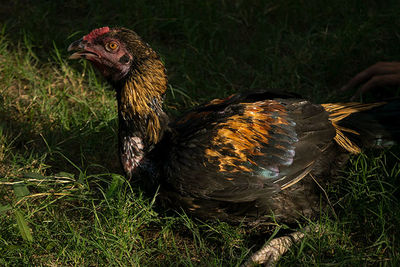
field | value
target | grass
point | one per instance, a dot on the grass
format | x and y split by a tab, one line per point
63	198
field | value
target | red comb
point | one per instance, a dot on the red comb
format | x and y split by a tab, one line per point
97	32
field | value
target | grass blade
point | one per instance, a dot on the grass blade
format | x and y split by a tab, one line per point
4	208
23	226
20	190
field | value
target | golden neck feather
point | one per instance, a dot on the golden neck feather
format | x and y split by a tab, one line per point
141	98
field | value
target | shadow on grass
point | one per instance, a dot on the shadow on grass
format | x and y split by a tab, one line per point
214	48
93	149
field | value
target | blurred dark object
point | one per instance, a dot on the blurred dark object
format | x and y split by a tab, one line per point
378	76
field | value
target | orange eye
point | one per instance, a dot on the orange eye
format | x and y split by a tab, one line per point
111	46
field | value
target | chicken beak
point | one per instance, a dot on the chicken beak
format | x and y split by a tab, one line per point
80	48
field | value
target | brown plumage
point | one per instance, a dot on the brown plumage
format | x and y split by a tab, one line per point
239	159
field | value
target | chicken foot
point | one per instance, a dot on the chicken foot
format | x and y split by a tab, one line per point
270	253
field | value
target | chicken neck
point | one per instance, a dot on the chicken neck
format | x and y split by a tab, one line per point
142	120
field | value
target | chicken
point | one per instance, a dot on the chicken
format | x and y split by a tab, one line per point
246	158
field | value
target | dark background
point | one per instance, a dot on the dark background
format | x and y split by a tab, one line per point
213	48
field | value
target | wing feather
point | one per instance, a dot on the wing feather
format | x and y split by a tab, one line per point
239	150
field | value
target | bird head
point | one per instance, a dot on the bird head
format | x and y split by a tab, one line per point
136	73
113	51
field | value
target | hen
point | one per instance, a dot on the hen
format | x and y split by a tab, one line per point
245	158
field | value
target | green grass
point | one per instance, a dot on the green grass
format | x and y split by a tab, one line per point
63	198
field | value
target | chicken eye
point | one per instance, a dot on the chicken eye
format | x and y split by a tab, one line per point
111	46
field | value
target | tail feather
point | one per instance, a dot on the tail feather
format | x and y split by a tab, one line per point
356	124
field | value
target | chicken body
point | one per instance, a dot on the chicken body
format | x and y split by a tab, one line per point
237	159
242	159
